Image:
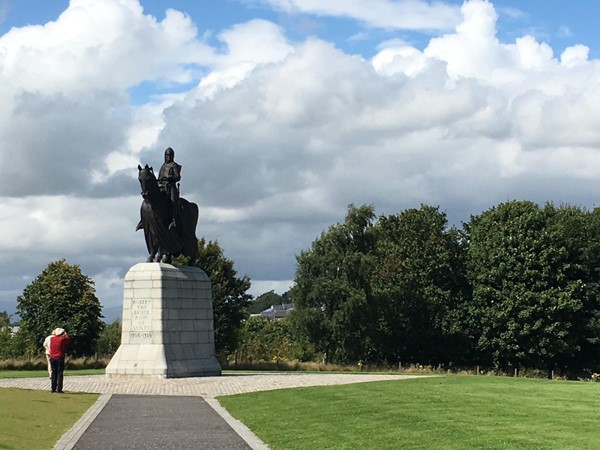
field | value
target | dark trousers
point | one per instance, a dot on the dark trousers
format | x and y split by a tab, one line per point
58	369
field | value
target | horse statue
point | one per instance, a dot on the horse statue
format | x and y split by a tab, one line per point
165	242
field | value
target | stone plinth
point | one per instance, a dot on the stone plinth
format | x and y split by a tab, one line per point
167	324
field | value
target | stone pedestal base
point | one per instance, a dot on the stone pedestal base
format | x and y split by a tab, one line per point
167	324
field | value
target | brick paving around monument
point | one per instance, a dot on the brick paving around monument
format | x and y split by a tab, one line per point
205	387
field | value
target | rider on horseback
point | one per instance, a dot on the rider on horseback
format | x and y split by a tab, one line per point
168	176
162	243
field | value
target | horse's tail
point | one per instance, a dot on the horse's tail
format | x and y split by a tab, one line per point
189	222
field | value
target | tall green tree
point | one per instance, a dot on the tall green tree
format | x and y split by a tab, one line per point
332	292
109	340
61	296
5	335
533	286
230	296
4	319
581	229
420	284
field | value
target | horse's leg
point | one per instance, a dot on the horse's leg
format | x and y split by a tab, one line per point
160	254
152	256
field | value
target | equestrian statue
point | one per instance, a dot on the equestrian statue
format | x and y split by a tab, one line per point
169	221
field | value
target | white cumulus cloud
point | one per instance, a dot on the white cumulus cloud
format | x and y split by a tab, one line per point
276	137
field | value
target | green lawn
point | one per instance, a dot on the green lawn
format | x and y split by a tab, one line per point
32	420
44	373
35	420
456	412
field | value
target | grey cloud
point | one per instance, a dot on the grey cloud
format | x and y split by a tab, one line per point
122	183
55	143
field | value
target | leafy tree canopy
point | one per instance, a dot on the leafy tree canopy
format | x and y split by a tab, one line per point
110	339
533	292
419	285
4	319
332	293
61	296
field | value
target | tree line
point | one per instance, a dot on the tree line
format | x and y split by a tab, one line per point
62	296
515	287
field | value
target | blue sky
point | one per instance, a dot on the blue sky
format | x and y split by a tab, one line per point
558	23
282	113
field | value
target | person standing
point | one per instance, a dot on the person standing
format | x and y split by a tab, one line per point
47	349
58	344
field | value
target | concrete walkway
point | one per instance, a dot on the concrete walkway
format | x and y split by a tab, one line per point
134	413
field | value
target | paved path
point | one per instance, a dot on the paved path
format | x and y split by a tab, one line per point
133	413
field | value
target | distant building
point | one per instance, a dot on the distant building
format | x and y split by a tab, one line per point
14	330
278	311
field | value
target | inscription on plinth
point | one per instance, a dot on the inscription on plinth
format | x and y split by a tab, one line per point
141	321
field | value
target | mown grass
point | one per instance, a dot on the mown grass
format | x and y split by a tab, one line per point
44	373
35	420
450	412
454	412
40	363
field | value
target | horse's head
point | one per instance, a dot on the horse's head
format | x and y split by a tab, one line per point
147	180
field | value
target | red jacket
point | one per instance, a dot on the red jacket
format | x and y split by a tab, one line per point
58	345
